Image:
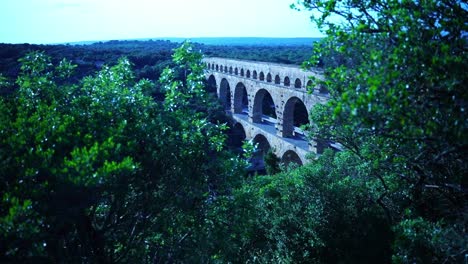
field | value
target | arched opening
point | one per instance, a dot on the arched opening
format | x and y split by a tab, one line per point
254	74
309	84
217	67
297	83
295	115
323	89
211	86
286	81
262	147
268	77
225	69
277	79
212	66
289	157
208	65
230	70
236	71
262	76
225	94
242	72
264	109
236	137
241	101
247	74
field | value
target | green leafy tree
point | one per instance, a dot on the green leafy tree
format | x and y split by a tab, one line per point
98	172
68	162
272	163
396	72
321	212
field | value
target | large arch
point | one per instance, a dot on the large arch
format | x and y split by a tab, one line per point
262	144
295	114
262	147
241	102
225	94
211	86
236	137
263	104
289	157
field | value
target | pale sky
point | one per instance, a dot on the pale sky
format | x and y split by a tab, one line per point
59	21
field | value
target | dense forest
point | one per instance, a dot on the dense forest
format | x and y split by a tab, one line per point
149	57
115	152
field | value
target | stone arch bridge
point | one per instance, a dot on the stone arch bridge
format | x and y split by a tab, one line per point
268	103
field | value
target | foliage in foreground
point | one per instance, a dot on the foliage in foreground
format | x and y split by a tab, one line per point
396	72
98	172
319	213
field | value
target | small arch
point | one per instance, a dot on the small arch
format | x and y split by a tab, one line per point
208	65
241	101
277	79
217	67
225	69
291	156
247	74
297	83
254	74
286	81
309	84
323	89
268	78
262	76
225	94
242	72
236	71
230	70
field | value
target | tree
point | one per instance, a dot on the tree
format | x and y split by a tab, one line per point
396	71
97	171
318	213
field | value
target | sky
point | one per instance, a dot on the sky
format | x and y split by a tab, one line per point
61	21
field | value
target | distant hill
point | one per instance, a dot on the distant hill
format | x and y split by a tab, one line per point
252	41
230	41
